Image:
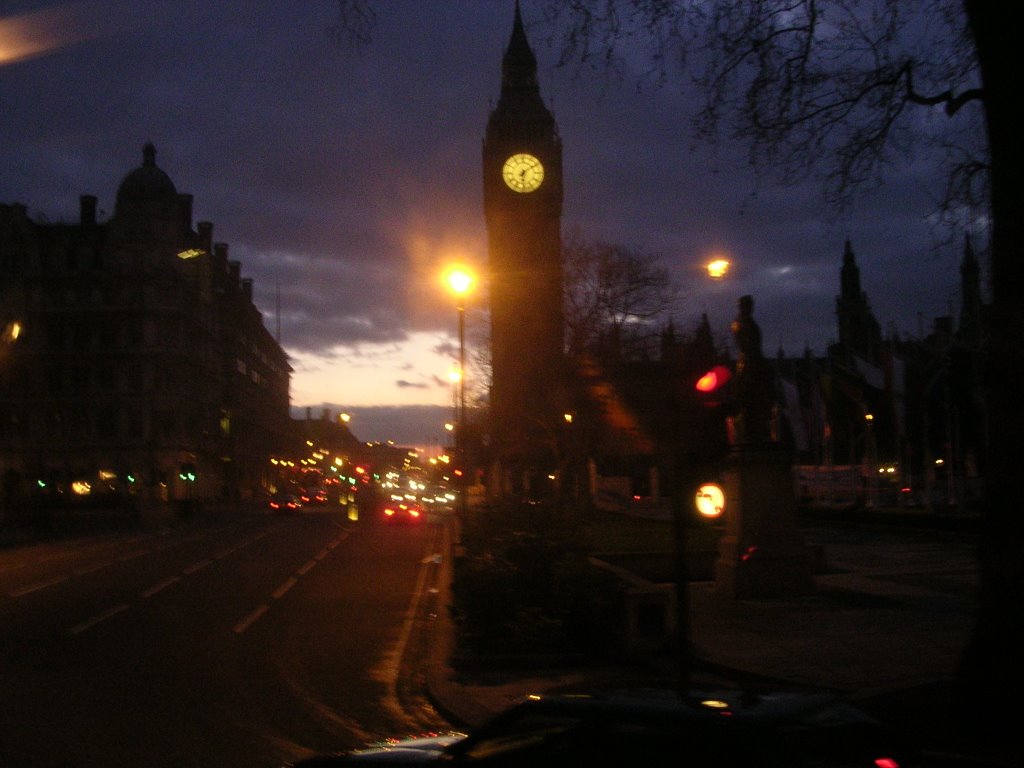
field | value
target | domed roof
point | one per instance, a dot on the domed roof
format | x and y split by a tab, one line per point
147	183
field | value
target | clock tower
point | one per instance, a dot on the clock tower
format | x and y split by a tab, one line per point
522	180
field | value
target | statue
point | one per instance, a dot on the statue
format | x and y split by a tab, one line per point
753	384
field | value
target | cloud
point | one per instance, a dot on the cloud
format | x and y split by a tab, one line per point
344	179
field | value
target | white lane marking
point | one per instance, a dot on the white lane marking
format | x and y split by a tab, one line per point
280	591
197	566
90	623
249	620
159	587
133	555
93	567
38	586
231	551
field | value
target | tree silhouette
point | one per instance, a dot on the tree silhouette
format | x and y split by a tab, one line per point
844	90
617	299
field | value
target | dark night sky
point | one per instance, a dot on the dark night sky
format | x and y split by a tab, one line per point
343	179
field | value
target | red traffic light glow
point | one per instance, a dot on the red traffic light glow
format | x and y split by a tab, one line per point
713	379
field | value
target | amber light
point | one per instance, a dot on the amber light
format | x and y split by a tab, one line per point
710	502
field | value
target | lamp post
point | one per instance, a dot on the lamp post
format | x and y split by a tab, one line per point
460	281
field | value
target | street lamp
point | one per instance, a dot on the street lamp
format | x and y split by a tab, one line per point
718	268
460	281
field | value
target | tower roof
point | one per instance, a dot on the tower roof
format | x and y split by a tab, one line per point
147	183
520	100
519	65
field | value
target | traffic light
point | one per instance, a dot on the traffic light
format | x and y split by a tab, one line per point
711	384
710	501
703	413
187	472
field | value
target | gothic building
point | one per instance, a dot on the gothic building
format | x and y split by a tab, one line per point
901	419
522	196
859	332
141	366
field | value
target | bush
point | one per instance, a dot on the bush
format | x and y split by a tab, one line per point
524	585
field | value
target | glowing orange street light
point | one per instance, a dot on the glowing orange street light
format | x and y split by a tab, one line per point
718	268
460	280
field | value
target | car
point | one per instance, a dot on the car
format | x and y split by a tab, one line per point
284	503
313	497
724	729
404	511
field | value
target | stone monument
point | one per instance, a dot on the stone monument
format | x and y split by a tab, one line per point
761	553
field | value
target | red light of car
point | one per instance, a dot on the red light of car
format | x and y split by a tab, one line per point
887	762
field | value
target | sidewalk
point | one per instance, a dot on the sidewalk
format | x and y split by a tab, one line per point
885	627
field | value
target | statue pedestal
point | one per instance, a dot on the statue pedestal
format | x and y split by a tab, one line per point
762	553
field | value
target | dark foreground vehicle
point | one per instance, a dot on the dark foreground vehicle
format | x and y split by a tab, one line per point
721	730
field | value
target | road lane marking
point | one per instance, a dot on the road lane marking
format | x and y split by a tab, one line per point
90	623
231	550
133	555
38	586
93	567
159	587
198	566
280	591
290	582
249	620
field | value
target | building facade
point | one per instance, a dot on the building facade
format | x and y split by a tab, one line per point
141	370
522	194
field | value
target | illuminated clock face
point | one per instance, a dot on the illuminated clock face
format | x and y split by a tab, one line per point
523	172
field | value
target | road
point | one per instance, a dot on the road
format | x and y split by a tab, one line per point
240	641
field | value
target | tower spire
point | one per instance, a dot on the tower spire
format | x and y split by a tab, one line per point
519	65
520	100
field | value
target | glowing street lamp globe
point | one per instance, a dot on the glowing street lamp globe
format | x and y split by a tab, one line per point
460	280
710	500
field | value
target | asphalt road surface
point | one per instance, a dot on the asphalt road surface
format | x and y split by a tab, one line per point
241	641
